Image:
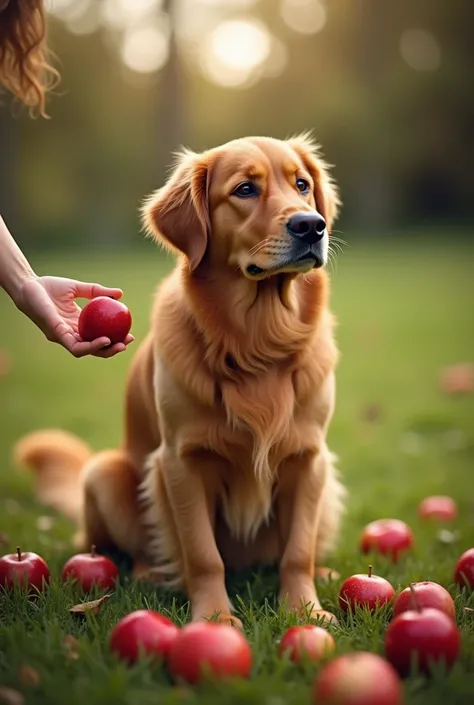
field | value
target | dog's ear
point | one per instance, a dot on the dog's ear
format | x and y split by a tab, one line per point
325	190
178	213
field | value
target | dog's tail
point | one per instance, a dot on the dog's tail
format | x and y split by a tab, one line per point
56	459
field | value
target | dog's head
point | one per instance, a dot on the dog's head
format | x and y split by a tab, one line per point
260	205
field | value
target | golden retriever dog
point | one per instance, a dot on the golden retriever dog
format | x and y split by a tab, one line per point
224	461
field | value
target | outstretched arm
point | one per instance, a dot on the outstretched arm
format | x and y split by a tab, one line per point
50	301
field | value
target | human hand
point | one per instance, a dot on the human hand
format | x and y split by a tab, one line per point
50	303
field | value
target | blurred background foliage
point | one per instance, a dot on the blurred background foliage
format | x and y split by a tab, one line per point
387	88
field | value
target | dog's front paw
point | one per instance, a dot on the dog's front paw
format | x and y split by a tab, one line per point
308	611
301	597
229	619
324	616
219	616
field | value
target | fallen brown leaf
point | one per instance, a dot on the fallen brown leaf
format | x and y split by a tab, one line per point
28	676
8	696
372	413
71	645
468	609
92	607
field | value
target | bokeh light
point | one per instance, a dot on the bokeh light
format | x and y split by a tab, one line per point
234	50
228	4
68	10
420	49
304	16
85	23
145	49
122	14
57	7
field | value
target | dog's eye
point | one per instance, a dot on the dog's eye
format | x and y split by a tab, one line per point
302	185
245	190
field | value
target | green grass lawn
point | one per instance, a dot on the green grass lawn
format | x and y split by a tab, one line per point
404	310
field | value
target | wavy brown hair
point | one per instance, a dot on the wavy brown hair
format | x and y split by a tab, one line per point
25	68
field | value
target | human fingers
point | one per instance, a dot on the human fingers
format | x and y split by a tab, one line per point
85	290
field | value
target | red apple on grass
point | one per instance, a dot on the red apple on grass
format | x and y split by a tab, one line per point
208	649
428	594
90	569
464	571
422	636
359	678
390	537
306	642
105	317
361	590
143	632
26	569
438	507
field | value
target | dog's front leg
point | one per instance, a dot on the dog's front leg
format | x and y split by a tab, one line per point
191	489
298	506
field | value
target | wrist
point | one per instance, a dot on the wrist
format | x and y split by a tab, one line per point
15	270
14	281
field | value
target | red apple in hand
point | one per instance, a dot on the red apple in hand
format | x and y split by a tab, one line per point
365	590
90	569
390	537
105	317
464	571
27	569
306	643
428	594
143	632
427	635
439	508
204	649
359	678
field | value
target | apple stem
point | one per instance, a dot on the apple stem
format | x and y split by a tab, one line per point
18	552
414	598
370	571
93	550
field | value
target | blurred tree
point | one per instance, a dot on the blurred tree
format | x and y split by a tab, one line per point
399	135
172	106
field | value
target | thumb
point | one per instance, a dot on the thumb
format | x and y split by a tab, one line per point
84	290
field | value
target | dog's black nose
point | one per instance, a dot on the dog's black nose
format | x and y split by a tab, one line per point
309	227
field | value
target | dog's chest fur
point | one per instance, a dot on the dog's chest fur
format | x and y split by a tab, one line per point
248	419
264	426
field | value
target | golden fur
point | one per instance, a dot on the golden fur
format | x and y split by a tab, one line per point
224	461
25	67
